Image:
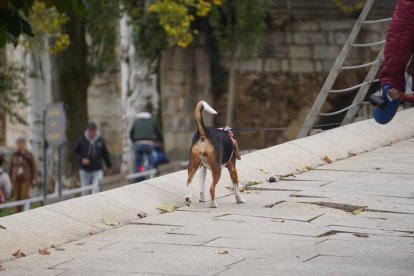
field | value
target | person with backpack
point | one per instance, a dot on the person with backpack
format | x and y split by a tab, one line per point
145	134
5	184
89	151
23	172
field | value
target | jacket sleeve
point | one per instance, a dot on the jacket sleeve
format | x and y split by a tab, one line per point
105	155
131	132
77	151
399	45
35	175
158	133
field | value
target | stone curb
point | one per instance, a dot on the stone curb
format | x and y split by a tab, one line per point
74	219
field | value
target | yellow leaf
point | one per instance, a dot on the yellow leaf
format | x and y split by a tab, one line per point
327	159
166	208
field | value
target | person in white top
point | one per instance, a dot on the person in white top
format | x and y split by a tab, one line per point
5	184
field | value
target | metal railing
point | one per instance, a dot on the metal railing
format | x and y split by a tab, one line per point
26	203
370	78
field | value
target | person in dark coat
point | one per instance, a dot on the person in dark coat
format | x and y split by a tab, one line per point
23	172
89	151
399	48
145	134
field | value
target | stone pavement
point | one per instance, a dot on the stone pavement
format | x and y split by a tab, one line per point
350	217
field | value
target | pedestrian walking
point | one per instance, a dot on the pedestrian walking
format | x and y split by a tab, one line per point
89	151
5	184
145	134
23	171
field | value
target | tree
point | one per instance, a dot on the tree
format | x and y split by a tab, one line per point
237	29
14	15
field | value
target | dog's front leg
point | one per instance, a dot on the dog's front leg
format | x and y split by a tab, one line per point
203	172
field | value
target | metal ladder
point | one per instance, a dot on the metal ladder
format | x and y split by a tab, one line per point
338	66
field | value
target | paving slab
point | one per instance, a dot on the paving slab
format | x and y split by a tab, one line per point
354	216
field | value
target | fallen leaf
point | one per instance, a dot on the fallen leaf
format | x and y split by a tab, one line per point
81	243
361	235
2	268
223	252
2	227
358	211
351	154
19	254
59	249
142	214
109	222
93	232
166	208
44	251
327	159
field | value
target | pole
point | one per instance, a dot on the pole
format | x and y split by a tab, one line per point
60	184
45	146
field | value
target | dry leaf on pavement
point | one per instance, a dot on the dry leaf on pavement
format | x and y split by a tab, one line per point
19	254
224	252
44	251
361	235
2	227
166	208
327	159
110	222
142	214
93	232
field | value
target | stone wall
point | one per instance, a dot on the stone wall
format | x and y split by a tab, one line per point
184	80
278	87
105	109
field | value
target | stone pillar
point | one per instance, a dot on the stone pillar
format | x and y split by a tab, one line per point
184	80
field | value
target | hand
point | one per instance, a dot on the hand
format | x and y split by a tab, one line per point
395	94
85	161
35	183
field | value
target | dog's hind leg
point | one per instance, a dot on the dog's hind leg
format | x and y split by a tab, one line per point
203	172
235	180
192	169
216	177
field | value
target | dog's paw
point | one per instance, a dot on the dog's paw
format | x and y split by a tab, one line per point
213	204
202	197
240	200
187	201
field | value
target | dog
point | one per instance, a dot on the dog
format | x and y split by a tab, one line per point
212	149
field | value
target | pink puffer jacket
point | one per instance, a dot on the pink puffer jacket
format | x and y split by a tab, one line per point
399	45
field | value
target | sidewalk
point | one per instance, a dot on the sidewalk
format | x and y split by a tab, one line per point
350	217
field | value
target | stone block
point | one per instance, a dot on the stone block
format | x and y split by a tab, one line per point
325	52
272	65
330	25
299	51
251	65
302	66
309	38
284	64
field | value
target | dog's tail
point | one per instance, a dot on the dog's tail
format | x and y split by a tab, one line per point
202	105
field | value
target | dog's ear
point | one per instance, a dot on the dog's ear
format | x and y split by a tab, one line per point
208	108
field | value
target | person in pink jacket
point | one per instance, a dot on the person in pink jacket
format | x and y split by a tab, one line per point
399	48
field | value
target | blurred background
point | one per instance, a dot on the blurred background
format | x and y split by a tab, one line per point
259	63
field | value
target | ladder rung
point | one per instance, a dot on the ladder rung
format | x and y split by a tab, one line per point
359	66
383	20
354	87
368	44
339	111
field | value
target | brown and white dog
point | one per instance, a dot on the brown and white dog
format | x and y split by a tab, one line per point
212	149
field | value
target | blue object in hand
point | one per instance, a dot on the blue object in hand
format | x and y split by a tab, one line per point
385	115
